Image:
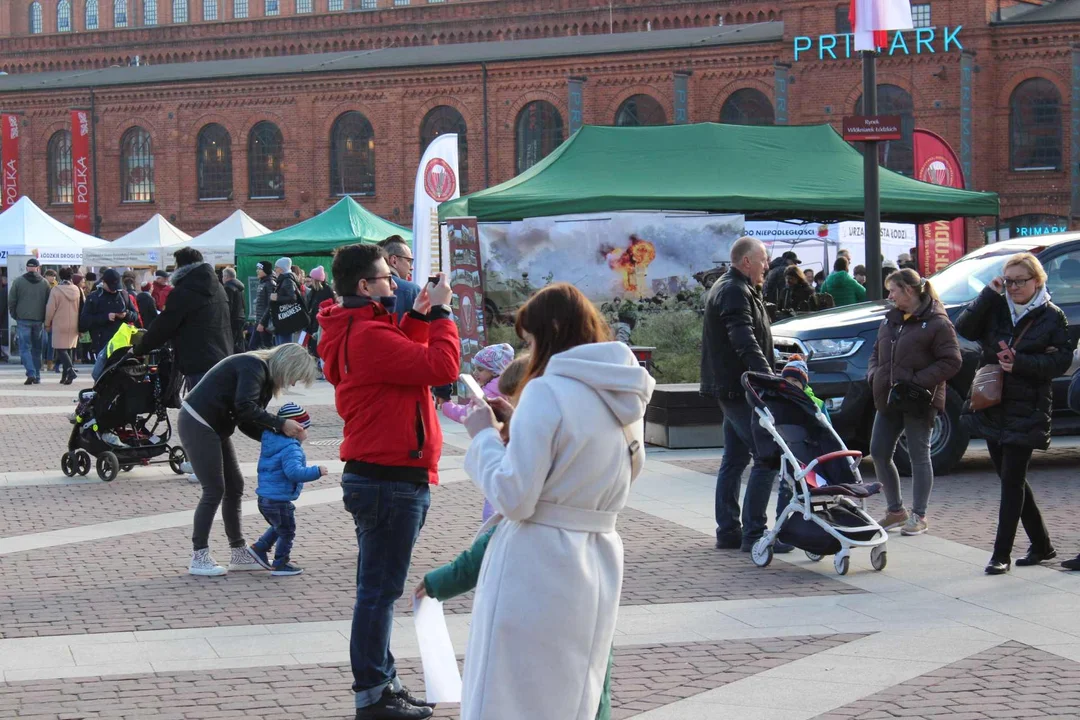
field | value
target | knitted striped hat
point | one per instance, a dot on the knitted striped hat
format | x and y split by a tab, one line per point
292	411
797	369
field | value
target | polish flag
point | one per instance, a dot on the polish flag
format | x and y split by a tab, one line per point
872	19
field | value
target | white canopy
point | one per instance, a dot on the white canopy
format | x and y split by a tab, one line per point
218	244
26	229
149	244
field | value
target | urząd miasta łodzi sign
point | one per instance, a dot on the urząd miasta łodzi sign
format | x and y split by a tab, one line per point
915	42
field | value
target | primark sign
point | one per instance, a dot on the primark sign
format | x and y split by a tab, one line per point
922	41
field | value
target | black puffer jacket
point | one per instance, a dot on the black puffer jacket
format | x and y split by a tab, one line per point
773	289
1043	353
195	319
736	337
235	393
94	316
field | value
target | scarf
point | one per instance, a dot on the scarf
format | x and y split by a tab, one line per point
1018	311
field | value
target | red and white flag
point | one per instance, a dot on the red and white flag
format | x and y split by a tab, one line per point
872	19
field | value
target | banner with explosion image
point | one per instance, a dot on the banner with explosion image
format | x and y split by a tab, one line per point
624	256
465	281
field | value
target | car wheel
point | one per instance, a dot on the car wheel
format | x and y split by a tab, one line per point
948	440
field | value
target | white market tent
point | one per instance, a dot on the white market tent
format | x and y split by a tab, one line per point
151	244
26	229
218	244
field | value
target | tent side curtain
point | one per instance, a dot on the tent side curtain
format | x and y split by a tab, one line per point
775	171
344	223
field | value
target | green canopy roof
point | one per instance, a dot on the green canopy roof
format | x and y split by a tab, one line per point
346	223
786	171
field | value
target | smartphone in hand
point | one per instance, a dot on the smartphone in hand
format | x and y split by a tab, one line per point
433	280
473	388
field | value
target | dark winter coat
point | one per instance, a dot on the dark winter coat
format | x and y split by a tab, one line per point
922	350
234	394
798	298
1043	353
94	317
775	284
315	298
736	337
234	290
288	292
28	297
262	299
195	319
148	312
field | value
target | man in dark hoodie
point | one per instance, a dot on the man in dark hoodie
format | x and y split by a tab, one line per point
27	300
195	319
234	289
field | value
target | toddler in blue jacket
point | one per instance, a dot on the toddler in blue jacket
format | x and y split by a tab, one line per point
283	470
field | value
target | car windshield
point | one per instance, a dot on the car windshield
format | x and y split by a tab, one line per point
965	278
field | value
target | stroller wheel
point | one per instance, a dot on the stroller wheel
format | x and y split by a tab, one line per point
127	468
108	466
177	457
879	558
82	462
67	465
841	563
814	557
762	552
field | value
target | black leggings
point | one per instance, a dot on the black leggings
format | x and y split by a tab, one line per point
63	359
213	459
1017	501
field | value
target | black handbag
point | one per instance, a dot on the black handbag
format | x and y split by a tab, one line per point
290	317
908	397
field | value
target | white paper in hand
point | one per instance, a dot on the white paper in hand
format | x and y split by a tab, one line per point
442	681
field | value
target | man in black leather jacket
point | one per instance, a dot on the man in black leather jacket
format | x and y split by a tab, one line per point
736	339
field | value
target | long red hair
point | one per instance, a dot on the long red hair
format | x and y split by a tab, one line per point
559	317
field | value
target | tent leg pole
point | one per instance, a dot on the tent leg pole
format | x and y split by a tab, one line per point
871	184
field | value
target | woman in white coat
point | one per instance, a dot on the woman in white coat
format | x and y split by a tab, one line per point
546	604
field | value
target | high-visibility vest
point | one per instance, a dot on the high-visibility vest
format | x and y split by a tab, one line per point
120	339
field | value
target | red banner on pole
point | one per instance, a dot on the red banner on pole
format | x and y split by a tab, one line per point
9	139
465	280
943	241
80	168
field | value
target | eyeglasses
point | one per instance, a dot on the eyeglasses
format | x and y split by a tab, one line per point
378	277
1017	282
407	259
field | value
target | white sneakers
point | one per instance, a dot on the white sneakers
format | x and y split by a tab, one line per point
242	560
185	467
203	565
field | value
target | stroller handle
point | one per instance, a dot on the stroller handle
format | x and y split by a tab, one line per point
832	456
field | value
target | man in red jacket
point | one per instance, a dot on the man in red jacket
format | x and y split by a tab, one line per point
382	376
161	289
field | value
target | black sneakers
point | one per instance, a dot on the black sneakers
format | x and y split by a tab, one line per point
392	706
408	697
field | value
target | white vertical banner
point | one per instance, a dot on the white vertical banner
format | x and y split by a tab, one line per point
436	182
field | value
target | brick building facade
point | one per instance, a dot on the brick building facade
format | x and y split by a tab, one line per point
284	137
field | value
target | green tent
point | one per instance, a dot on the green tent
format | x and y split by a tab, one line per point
783	171
313	241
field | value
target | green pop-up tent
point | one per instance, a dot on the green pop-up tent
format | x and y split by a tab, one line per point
782	171
312	242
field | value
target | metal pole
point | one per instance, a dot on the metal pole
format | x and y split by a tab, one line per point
487	161
871	184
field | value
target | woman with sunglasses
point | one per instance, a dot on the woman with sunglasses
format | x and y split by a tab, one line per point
1027	335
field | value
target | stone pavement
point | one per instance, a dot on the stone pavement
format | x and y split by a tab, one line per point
98	618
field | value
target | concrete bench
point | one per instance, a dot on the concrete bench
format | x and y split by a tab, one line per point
679	417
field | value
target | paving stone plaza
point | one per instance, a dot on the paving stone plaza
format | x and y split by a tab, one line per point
100	619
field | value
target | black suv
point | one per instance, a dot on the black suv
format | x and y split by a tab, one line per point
837	344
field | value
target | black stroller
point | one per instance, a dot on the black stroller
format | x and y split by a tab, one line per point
826	515
123	420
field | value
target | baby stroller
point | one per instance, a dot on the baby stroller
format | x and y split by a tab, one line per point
826	515
123	420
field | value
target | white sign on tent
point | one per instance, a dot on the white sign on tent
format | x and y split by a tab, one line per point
26	229
152	243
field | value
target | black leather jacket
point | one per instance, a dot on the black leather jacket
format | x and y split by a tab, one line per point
736	338
235	393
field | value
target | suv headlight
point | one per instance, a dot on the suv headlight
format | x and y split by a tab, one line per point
830	349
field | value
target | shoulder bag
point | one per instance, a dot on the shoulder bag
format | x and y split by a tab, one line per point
290	317
989	382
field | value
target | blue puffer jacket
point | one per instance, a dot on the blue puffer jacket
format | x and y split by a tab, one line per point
282	467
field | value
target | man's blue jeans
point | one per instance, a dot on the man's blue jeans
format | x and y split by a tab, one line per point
739	449
281	516
388	516
283	338
30	335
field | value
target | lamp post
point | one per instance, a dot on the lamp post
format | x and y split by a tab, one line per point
871	183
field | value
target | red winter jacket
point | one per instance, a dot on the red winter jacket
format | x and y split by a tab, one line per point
382	377
160	293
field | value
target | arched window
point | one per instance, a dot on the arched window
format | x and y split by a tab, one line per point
63	16
895	155
35	18
747	107
1035	126
445	119
214	163
149	12
539	131
209	9
58	159
640	110
179	11
120	13
266	148
352	155
91	14
136	167
304	6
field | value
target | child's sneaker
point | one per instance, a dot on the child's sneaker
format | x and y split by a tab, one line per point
286	570
203	565
260	557
242	560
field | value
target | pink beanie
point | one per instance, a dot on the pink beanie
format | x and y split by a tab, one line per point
318	274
